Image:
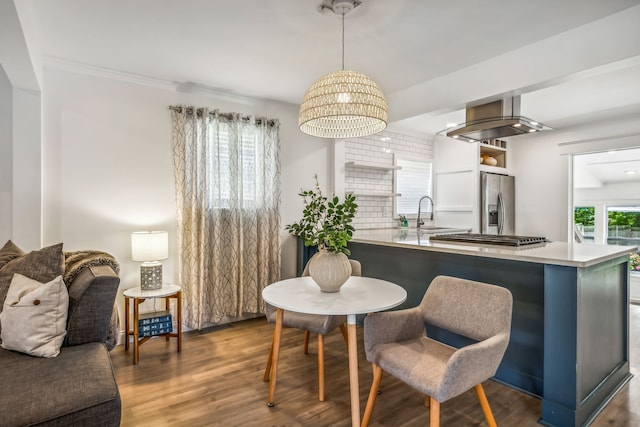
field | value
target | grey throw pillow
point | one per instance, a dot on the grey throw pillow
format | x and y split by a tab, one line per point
9	252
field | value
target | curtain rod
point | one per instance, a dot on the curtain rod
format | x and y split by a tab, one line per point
228	116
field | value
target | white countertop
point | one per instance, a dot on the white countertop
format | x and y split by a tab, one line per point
556	253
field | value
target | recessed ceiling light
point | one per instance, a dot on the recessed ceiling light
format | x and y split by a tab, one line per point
517	125
455	136
532	130
631	172
451	125
534	123
385	138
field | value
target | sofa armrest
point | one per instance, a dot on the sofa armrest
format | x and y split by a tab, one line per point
91	297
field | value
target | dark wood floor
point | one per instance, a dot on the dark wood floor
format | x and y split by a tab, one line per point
217	381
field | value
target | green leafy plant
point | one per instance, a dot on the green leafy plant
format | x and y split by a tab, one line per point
325	223
584	215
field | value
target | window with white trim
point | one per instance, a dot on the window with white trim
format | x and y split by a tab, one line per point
413	181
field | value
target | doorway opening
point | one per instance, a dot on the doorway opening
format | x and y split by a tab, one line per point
606	203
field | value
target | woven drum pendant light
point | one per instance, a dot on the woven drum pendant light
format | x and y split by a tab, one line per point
343	104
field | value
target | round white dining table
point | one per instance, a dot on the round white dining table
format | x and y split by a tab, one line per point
359	295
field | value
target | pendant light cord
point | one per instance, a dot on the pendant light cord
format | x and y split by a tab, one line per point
343	42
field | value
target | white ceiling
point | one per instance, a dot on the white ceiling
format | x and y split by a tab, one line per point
276	48
598	169
573	61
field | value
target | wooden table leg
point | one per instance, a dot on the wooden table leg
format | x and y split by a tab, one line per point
276	352
167	306
126	324
353	370
136	331
179	315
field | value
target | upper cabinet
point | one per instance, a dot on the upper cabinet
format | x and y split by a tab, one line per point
457	166
456	181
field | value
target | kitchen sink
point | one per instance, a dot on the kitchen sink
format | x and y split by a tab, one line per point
432	229
427	228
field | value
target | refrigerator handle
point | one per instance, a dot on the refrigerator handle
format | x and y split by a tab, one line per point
501	213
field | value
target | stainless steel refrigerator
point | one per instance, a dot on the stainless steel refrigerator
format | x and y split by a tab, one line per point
497	201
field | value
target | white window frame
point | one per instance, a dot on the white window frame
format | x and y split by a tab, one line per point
410	194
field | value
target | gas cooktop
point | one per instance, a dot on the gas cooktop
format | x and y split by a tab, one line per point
489	239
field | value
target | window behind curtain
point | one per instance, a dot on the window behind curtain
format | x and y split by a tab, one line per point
227	177
249	176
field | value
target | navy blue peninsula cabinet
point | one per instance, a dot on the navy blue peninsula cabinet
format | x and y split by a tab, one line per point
570	331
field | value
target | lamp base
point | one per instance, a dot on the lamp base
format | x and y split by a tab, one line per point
151	275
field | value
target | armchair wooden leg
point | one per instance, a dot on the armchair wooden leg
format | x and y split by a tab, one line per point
434	413
267	370
373	393
486	409
306	342
343	329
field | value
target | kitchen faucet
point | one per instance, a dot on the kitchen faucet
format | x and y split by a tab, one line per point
420	222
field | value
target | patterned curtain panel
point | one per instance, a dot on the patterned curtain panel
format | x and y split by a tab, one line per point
227	174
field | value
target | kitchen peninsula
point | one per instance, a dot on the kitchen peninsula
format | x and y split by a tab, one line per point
570	330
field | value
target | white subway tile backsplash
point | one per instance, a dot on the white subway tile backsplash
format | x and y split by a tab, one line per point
377	212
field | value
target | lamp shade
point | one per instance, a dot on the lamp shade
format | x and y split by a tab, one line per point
149	245
343	104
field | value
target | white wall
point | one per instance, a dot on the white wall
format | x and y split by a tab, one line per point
108	166
27	168
6	169
21	204
541	187
541	165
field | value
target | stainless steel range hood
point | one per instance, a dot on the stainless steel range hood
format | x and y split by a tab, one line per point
495	120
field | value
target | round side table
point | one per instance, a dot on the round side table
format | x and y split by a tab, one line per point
138	296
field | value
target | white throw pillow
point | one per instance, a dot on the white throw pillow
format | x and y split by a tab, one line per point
34	316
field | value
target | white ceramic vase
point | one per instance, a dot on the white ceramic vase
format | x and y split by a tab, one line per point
329	270
491	161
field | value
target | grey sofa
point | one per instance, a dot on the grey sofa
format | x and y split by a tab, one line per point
78	387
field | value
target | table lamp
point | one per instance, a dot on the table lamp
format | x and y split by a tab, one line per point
150	247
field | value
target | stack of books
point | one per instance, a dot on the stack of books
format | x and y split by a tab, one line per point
155	323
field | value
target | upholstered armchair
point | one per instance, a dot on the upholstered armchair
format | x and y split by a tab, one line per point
318	324
396	342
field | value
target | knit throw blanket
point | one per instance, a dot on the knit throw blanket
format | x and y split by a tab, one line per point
76	261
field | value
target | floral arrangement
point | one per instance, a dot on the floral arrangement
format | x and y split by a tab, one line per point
325	222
